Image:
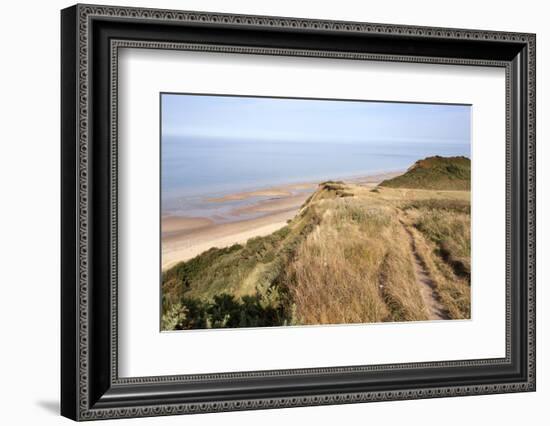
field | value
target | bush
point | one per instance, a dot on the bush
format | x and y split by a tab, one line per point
224	311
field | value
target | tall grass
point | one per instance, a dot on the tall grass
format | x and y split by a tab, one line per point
350	269
449	229
453	291
442	235
346	257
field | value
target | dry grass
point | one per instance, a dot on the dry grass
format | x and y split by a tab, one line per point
442	237
352	268
453	291
450	231
347	257
402	292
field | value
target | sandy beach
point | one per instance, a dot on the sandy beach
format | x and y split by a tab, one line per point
185	237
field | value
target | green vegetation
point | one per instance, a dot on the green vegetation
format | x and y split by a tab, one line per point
242	277
441	229
348	256
223	311
443	173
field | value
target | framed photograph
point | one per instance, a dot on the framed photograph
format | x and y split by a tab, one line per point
263	212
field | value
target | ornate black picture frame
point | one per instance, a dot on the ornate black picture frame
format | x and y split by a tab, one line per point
91	36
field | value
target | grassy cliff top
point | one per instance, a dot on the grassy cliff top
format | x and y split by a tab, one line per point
346	257
441	173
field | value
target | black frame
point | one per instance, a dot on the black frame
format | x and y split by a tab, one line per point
91	37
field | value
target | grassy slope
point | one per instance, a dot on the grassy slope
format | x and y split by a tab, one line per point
346	257
444	173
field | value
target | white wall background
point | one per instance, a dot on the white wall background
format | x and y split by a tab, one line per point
29	211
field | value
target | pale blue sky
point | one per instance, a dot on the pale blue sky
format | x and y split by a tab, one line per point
212	144
299	120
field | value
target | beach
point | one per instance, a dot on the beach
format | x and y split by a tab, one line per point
246	214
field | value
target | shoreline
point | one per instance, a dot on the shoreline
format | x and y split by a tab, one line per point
185	246
184	237
282	189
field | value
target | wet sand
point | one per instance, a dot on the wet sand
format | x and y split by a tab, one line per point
276	191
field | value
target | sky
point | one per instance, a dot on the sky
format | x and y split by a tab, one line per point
309	120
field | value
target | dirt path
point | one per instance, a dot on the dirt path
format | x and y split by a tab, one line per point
436	310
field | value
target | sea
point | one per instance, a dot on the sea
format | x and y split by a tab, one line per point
193	171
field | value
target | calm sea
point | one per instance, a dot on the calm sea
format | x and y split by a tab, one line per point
192	170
